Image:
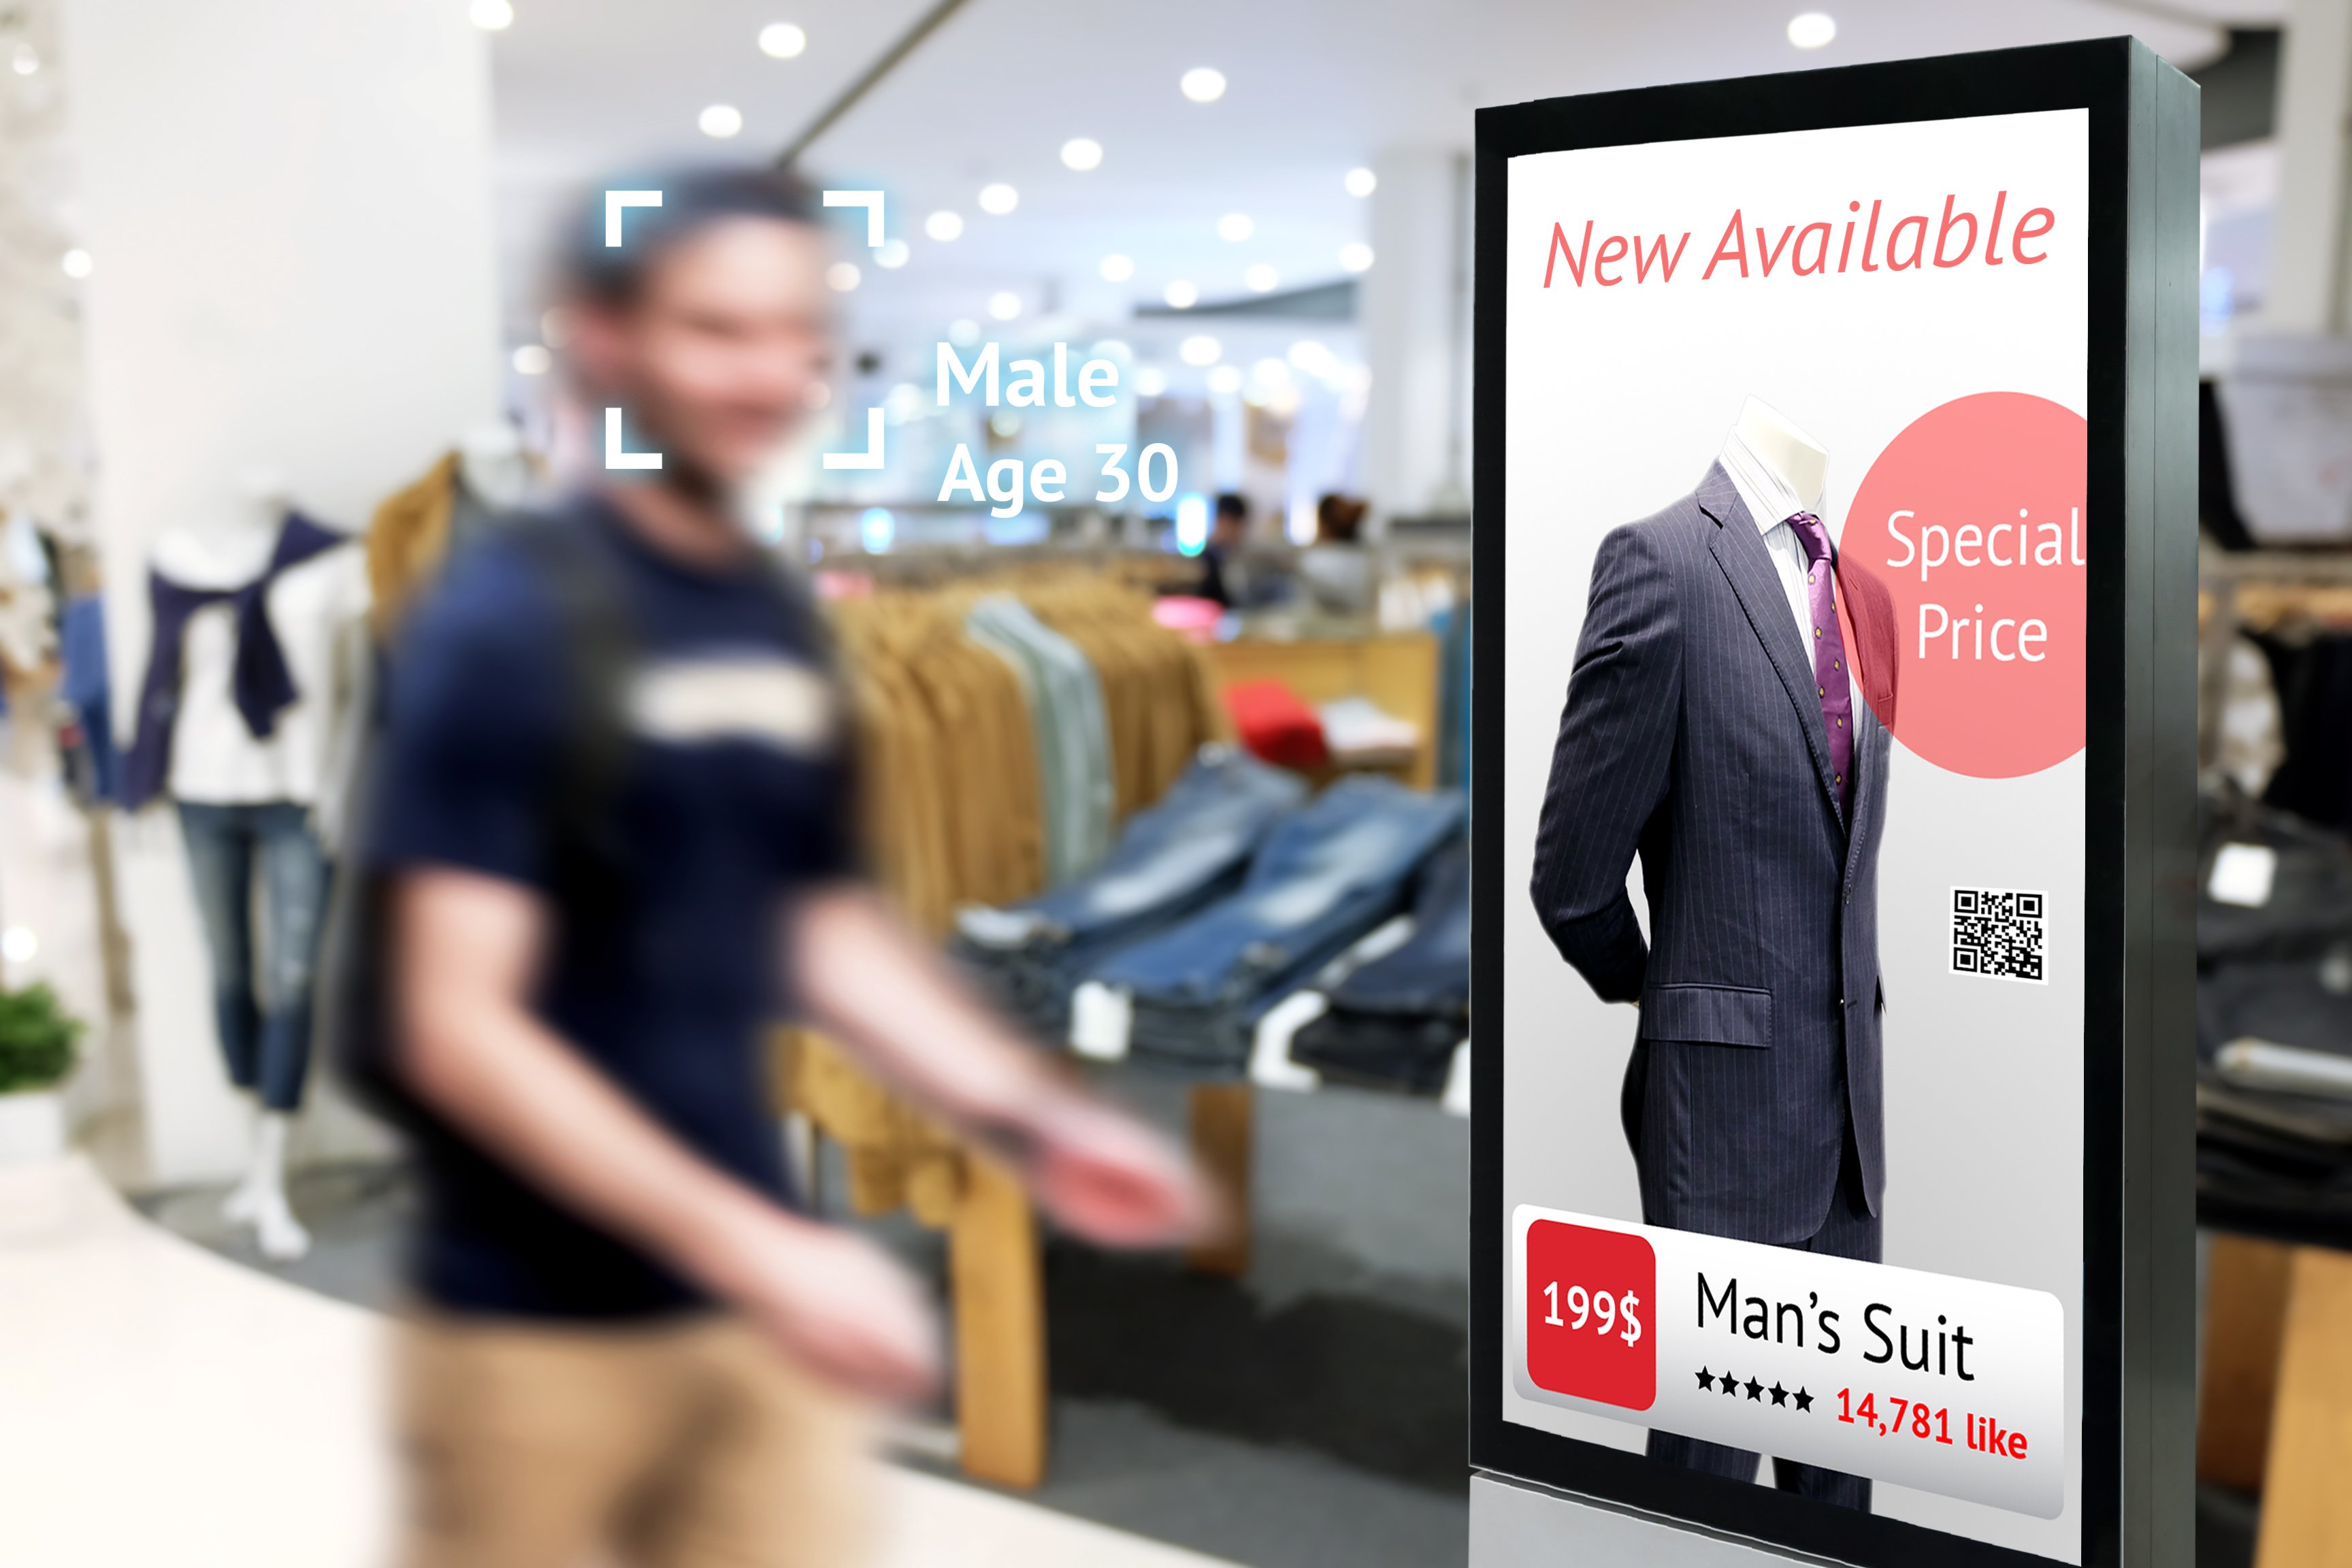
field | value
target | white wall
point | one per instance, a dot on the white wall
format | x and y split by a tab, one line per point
1415	316
289	205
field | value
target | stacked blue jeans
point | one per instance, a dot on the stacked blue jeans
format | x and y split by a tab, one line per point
1171	860
262	1011
1328	873
1394	1022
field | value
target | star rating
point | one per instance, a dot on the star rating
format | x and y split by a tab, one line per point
1755	1389
1730	1385
1780	1394
1804	1400
1725	1383
1705	1378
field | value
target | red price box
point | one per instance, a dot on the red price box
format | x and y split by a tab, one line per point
1589	1299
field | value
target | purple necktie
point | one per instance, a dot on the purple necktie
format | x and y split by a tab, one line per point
1831	680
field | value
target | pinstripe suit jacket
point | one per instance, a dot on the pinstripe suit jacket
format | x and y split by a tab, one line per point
1694	735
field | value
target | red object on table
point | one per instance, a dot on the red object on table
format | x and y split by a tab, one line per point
1275	723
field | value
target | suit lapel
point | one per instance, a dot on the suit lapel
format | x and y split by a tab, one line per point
1748	567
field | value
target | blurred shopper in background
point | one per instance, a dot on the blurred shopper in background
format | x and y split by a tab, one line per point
613	828
1336	568
1227	535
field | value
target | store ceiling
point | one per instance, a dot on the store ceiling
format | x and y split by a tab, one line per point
1316	87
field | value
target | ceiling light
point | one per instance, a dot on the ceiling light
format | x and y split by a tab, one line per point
1150	380
491	15
1272	372
24	59
1117	269
720	120
1235	227
1310	357
1082	154
1225	380
1361	182
75	262
1204	84
1357	257
893	254
1262	279
944	225
1181	296
1201	350
781	40
843	276
1004	304
532	359
19	945
1811	29
998	199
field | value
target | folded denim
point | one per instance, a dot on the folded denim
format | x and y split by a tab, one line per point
1328	872
1172	860
1396	1020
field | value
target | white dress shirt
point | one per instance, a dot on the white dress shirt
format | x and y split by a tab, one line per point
1772	504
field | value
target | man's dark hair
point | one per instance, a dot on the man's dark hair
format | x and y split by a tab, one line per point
693	199
1233	504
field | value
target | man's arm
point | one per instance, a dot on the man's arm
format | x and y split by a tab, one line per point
858	972
1611	765
466	946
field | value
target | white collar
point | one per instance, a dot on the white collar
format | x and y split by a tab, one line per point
1770	501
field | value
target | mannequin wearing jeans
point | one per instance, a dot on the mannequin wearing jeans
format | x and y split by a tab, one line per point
247	719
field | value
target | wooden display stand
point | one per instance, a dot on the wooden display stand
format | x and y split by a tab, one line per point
1398	672
2275	1407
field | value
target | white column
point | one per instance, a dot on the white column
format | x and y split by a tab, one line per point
1414	310
2307	282
288	205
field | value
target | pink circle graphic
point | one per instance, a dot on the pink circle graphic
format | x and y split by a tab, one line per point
1972	518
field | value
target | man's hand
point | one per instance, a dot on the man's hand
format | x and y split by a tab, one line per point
831	1299
1110	1179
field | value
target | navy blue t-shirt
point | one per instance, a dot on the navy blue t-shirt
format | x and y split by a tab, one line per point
732	798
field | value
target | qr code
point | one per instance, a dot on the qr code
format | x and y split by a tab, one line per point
1998	932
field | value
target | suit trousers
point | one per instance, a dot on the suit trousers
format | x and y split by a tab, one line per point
1850	1230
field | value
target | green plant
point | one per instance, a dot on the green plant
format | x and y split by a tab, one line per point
37	1039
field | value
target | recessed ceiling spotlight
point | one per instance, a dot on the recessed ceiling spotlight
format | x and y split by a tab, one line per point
1004	304
1262	279
491	15
532	359
998	199
782	41
1204	84
893	254
1225	380
1356	257
1181	296
1811	29
75	262
1117	269
1235	227
720	120
1361	182
1201	350
1082	154
944	225
843	276
1310	357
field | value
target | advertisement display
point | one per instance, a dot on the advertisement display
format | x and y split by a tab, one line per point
1812	903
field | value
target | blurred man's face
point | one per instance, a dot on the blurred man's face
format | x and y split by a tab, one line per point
723	351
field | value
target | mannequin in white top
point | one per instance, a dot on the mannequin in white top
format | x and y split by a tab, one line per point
1779	471
260	808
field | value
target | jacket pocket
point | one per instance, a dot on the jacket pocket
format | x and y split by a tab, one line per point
1711	1014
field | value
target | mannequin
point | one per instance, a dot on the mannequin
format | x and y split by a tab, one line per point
493	465
249	721
1795	458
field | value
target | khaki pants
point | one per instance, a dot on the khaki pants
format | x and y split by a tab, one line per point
678	1446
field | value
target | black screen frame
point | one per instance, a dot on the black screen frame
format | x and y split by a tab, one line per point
2136	1320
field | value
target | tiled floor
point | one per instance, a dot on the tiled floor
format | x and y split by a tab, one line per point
164	1404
